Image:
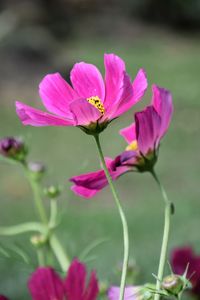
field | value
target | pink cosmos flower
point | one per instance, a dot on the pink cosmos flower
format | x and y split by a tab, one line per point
143	138
184	257
46	284
91	102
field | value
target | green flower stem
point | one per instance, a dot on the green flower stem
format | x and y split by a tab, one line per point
163	253
53	213
22	228
38	202
59	252
41	257
122	216
56	247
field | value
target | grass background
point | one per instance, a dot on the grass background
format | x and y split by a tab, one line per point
170	61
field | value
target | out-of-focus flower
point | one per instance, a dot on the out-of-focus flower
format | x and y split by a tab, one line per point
13	147
183	258
143	138
46	284
90	103
132	292
3	297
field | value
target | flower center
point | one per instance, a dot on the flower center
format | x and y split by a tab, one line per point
95	101
132	146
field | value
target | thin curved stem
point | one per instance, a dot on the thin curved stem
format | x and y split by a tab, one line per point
122	216
22	228
163	253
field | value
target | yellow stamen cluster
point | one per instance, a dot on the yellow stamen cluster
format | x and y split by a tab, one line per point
132	146
95	101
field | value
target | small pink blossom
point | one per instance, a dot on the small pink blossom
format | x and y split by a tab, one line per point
130	293
143	138
46	284
91	102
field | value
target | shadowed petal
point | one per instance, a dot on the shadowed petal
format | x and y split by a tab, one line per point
84	113
148	125
56	94
3	297
87	81
92	290
75	283
114	76
45	284
128	133
162	102
35	117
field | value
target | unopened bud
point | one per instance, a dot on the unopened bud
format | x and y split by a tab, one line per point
13	147
52	191
173	284
38	240
36	169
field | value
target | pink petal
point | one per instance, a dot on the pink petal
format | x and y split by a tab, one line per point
56	94
148	125
87	81
140	85
94	180
84	113
92	290
131	293
162	102
3	297
114	76
123	101
84	192
75	281
87	185
128	133
35	117
45	284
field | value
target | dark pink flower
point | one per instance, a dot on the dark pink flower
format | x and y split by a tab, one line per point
184	257
143	138
91	102
3	297
46	284
13	147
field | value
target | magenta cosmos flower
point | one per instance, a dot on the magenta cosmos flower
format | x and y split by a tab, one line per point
91	102
3	297
184	257
143	138
46	284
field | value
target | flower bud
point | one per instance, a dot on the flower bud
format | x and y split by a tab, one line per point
52	191
13	147
36	169
173	284
38	240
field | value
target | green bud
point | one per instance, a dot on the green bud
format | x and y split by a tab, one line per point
52	191
36	170
173	284
38	240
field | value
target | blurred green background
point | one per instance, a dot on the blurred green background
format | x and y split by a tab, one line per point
39	37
